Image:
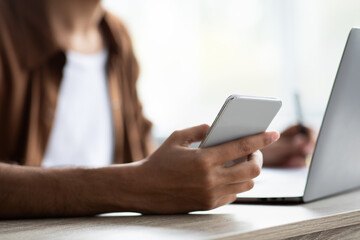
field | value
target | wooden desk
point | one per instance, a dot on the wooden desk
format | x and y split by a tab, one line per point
337	216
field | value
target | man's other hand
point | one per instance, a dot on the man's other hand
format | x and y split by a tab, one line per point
295	144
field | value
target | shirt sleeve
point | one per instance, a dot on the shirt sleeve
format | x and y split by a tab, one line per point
144	124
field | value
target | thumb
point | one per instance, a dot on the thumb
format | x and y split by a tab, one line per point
189	135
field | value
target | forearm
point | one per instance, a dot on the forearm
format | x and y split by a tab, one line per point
27	192
174	179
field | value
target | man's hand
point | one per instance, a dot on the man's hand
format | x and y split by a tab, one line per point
294	145
179	179
174	179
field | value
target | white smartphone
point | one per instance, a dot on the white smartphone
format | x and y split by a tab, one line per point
241	116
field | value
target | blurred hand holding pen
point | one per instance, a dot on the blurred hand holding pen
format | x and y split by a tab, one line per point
295	146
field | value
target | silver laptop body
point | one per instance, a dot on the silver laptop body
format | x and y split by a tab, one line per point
335	165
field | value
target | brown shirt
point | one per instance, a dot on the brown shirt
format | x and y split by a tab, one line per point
31	65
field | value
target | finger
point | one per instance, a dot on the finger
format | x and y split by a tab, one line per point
225	200
256	157
233	188
187	136
239	148
311	137
242	172
295	162
290	146
277	153
302	146
308	149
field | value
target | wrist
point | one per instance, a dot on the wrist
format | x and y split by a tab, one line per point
115	188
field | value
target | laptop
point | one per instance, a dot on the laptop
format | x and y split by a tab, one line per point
335	164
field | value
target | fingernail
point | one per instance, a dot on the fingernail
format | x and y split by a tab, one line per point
275	136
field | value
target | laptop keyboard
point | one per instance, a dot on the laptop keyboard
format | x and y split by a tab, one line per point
276	182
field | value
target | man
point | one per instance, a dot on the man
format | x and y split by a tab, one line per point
68	97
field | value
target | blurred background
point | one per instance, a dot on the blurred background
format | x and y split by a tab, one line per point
193	54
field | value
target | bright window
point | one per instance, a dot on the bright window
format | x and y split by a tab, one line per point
193	54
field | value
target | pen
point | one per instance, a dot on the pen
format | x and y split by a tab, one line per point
299	114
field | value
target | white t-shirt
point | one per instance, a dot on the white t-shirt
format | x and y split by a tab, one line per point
82	133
